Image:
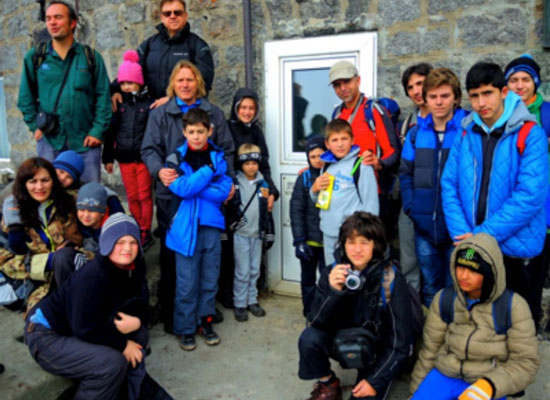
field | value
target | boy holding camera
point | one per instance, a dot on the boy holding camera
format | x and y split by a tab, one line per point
361	315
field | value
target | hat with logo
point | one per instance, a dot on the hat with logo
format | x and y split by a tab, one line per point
472	259
93	197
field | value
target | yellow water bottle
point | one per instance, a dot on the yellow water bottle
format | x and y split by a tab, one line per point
325	195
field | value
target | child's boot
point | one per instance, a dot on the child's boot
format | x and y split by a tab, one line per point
211	338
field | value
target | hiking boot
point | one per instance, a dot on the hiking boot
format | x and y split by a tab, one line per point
241	314
256	310
322	391
147	240
187	342
211	338
217	317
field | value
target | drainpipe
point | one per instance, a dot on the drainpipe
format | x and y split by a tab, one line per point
247	28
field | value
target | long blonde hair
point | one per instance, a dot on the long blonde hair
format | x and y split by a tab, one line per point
201	87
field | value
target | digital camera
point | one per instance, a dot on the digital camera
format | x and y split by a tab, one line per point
354	280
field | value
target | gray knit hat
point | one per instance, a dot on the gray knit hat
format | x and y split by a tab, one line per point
92	196
116	226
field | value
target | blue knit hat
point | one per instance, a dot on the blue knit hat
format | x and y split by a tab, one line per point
92	196
115	227
525	63
71	162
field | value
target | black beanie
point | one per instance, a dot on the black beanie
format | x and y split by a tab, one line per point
527	64
315	142
471	259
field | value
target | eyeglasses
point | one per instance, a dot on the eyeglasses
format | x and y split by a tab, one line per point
177	13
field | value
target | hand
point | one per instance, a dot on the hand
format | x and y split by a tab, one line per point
167	176
127	323
38	135
321	183
480	389
337	276
109	167
460	238
90	141
132	353
159	102
300	172
230	195
270	201
115	100
369	158
363	389
303	251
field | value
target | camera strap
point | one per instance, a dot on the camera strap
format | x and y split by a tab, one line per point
65	75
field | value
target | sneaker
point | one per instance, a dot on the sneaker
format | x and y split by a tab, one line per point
241	314
217	317
147	240
322	391
187	342
211	338
256	310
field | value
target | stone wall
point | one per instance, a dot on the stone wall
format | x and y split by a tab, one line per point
453	33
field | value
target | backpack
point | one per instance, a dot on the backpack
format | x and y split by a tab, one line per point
502	309
40	55
522	135
356	175
545	117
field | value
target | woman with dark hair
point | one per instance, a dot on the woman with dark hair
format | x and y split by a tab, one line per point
40	218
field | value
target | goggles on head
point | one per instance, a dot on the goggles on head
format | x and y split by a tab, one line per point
255	156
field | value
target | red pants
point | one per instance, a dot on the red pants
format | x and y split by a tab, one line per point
137	182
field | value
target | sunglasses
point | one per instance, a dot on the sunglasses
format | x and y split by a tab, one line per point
177	13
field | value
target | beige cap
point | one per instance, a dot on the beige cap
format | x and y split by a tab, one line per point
342	70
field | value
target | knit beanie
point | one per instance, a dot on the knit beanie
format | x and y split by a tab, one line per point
525	63
71	162
115	227
315	142
471	259
130	70
93	197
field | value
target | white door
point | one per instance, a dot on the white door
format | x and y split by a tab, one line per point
298	103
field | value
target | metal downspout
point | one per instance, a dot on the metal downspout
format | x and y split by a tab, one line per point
247	29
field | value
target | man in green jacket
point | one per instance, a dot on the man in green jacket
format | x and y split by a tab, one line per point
84	102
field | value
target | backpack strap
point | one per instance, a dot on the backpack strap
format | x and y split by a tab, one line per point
306	178
406	126
446	304
502	312
39	55
522	135
356	176
545	117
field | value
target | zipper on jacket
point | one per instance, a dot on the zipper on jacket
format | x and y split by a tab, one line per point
467	343
474	211
436	186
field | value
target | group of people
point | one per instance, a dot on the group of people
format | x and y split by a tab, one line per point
473	188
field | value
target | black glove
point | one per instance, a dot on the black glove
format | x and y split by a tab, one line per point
303	251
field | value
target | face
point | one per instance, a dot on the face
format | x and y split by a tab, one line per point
314	157
90	219
347	89
129	87
197	135
339	143
124	251
173	16
359	250
469	281
186	85
64	177
58	23
246	110
488	102
523	85
250	169
441	102
40	185
414	89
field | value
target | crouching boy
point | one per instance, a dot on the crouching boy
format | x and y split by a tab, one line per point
363	300
479	339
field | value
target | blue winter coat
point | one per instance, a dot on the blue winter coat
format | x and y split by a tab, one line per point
422	161
518	183
202	193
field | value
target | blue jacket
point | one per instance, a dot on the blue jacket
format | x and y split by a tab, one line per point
517	188
202	193
422	161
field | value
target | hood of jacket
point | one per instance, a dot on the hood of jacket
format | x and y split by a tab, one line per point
488	249
328	157
239	96
180	36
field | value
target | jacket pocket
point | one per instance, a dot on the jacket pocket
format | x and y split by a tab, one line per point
82	78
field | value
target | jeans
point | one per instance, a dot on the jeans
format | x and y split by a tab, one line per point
248	254
197	282
433	261
309	276
137	182
407	252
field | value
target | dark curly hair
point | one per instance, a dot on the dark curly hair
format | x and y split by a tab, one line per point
362	223
28	207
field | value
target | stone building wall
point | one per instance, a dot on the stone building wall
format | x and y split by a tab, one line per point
453	33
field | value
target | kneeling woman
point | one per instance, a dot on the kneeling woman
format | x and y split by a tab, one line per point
92	328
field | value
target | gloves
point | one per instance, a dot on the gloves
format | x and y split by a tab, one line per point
79	260
303	251
481	389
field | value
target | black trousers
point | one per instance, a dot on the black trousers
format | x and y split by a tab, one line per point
540	274
309	276
521	278
167	262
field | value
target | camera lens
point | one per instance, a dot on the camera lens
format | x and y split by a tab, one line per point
353	282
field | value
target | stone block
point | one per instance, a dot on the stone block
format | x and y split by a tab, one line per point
434	40
279	10
28	2
2	35
223	27
108	31
403	43
196	26
439	6
9	6
234	55
356	8
12	79
505	27
116	1
392	11
225	87
89	5
134	13
387	79
18	132
319	9
8	57
215	55
17	26
17	156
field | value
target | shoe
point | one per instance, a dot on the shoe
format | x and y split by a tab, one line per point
241	314
169	327
256	310
217	317
187	342
323	391
211	338
147	240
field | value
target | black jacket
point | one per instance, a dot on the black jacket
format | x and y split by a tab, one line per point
304	216
125	135
252	133
86	304
333	310
159	54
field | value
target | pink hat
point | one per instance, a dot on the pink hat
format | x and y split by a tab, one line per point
130	70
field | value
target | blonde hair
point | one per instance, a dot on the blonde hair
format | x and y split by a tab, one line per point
248	148
201	87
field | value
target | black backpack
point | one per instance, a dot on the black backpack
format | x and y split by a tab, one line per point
42	48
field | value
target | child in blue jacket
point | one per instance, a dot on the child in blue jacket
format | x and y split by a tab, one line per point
194	233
